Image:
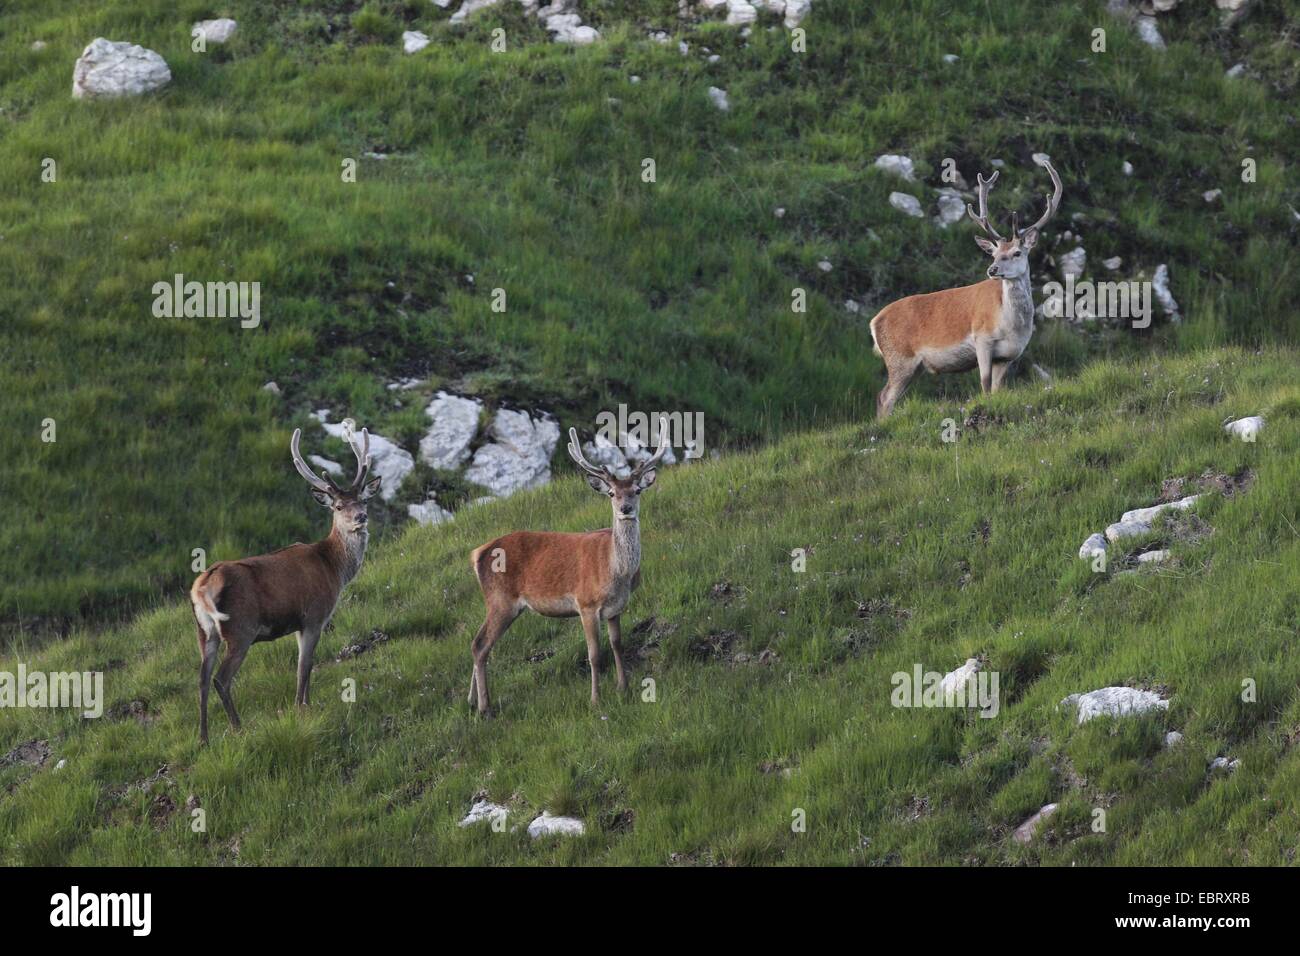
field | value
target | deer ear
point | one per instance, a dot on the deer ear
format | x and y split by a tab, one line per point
1029	239
646	480
986	245
372	488
322	498
598	484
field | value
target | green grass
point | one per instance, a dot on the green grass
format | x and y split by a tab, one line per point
522	169
917	552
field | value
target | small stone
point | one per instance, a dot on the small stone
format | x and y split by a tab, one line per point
1153	557
413	41
1236	71
325	465
825	265
1173	738
1160	286
779	212
1095	544
952	207
1127	168
898	165
1149	33
1113	263
1073	262
1114	702
483	810
428	512
108	68
1245	428
906	203
1212	195
454	424
718	97
1026	832
271	387
547	825
954	682
38	45
214	31
950	58
1224	763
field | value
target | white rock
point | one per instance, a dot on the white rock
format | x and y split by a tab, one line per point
214	31
1026	832
1113	263
388	460
718	97
779	212
954	681
952	207
1149	33
904	202
1114	702
997	163
1212	195
1245	428
1096	543
1127	168
604	452
471	7
1148	515
1236	71
1042	159
898	165
429	512
1223	763
824	265
442	3
740	13
950	58
325	465
271	387
39	44
61	764
1153	557
547	825
795	11
1073	262
110	68
1173	738
712	5
520	456
455	423
413	41
483	810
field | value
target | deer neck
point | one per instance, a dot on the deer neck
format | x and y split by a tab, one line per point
625	555
347	549
1018	301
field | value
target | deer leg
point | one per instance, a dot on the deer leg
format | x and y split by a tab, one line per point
496	624
616	644
984	356
1000	370
209	646
230	663
473	667
591	628
307	639
900	376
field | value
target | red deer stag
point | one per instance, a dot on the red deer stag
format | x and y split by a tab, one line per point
589	575
294	589
987	324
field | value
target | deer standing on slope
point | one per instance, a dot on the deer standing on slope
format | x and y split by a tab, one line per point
294	589
589	575
987	324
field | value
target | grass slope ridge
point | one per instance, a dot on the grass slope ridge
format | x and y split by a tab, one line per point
523	170
917	552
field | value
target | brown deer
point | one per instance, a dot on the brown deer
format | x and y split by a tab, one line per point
987	324
294	589
589	575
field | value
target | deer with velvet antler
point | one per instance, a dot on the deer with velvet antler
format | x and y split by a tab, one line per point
240	603
986	325
589	575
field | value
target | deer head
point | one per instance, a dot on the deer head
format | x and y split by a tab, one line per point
347	504
624	493
1011	254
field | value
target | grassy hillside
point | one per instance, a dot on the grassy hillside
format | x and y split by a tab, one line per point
918	552
522	170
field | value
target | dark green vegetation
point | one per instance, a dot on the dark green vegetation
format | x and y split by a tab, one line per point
917	552
523	170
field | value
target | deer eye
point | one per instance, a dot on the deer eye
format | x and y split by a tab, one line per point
1016	254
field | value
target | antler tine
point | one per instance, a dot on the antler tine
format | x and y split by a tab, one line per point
1053	201
363	458
310	476
659	452
983	218
575	452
